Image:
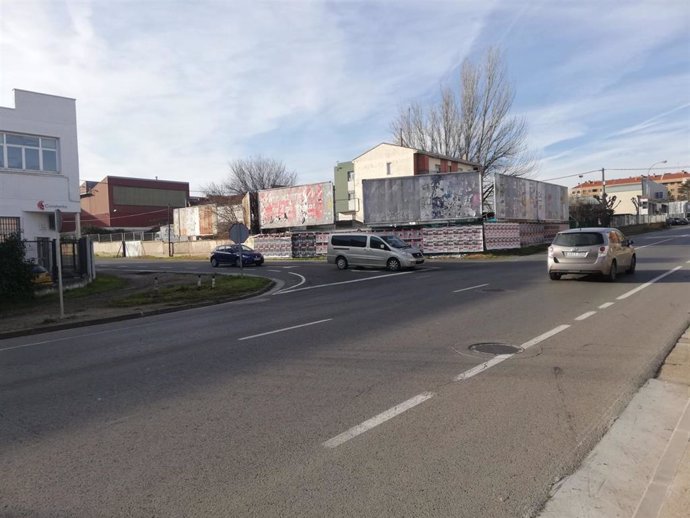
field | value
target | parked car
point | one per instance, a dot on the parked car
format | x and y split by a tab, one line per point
230	254
602	251
381	251
41	276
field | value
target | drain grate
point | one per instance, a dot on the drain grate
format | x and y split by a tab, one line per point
495	348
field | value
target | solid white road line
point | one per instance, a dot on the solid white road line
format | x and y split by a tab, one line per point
295	286
285	329
606	305
482	367
471	288
275	271
343	282
377	420
647	284
586	315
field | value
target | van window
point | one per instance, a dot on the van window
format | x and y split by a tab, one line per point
340	240
375	242
348	240
358	241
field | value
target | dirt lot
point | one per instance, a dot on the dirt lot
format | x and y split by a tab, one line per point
84	305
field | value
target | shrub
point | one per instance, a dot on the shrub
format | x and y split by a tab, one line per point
15	270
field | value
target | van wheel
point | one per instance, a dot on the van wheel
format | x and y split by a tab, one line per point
611	277
393	264
633	264
341	263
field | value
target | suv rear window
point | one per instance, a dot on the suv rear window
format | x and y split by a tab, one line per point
579	239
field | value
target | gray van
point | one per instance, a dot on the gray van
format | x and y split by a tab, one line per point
374	250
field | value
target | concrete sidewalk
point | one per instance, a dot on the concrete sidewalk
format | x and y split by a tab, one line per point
641	468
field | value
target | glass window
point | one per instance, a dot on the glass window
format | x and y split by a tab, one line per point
579	239
358	241
22	140
49	160
49	143
31	160
28	152
14	157
340	240
375	242
350	176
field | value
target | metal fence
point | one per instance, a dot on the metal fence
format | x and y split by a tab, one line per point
125	236
625	220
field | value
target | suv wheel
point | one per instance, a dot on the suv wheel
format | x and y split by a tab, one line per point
633	264
554	276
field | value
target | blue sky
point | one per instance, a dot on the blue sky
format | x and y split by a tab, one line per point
177	89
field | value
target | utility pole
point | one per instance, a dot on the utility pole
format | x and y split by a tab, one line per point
169	242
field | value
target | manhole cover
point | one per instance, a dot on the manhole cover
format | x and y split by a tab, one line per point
495	348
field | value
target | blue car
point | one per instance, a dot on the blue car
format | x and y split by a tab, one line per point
230	254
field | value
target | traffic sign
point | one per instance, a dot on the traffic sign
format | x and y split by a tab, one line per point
239	233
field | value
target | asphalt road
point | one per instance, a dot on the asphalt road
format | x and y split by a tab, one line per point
345	393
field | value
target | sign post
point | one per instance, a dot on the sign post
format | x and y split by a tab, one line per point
58	259
239	234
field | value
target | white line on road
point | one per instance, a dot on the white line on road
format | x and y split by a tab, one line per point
471	288
503	357
343	282
276	271
586	315
548	334
655	243
285	329
295	286
606	305
482	367
646	284
377	420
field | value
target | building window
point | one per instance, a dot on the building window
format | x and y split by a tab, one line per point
388	168
350	176
8	226
437	168
28	152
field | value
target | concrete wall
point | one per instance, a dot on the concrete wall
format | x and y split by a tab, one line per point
33	195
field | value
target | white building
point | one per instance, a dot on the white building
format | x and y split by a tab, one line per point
39	167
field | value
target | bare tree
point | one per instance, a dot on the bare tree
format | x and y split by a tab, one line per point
472	122
251	175
247	175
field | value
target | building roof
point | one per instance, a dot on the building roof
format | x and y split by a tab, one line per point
666	177
421	151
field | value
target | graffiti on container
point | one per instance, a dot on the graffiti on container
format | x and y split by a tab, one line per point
422	198
529	200
299	206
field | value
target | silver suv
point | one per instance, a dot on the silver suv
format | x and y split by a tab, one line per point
603	251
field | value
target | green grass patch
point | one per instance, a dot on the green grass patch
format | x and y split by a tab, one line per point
102	284
227	287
